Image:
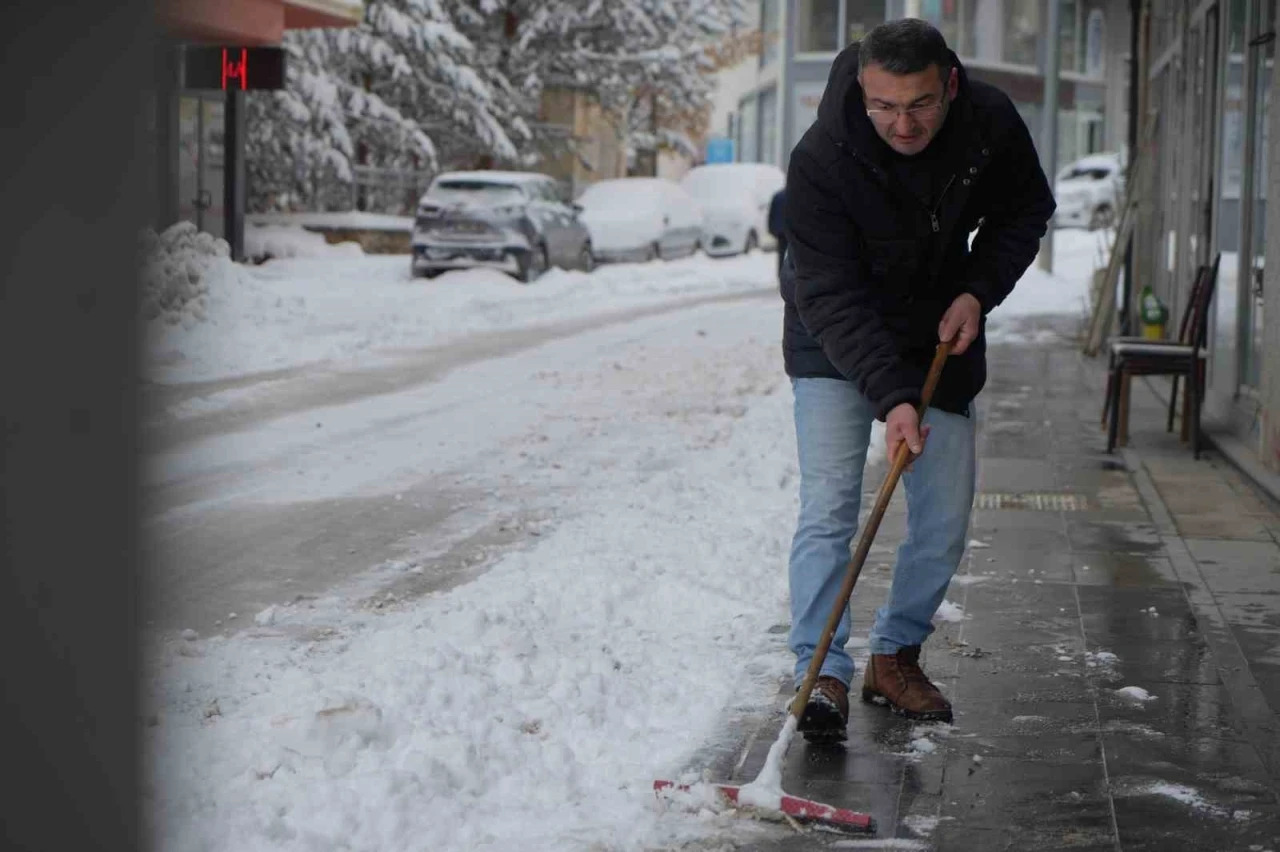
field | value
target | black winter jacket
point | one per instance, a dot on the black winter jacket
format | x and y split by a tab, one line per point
872	267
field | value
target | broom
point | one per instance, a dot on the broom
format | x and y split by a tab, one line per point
765	792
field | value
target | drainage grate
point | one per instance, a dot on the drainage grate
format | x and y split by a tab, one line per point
1033	502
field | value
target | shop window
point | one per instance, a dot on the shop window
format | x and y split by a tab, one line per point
1022	26
817	26
860	16
1069	53
769	126
1092	59
770	13
749	130
955	19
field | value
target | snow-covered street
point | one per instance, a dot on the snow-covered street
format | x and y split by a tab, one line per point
465	564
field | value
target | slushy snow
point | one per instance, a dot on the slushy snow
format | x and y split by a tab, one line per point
534	705
949	612
268	242
1136	693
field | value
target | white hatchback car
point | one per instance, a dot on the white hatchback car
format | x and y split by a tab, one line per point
735	203
1089	191
640	218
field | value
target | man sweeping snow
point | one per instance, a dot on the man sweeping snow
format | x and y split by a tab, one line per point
907	157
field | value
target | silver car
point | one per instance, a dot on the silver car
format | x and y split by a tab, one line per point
517	222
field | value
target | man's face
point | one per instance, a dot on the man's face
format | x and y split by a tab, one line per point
907	110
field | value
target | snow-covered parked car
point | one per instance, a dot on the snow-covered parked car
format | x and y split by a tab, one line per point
517	222
735	203
640	218
1089	190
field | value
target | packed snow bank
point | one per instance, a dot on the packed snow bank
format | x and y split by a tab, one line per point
196	300
275	241
181	267
533	707
353	311
347	220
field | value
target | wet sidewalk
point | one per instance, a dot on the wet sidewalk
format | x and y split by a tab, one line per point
1114	661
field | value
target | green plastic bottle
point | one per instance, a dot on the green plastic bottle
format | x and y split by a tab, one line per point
1153	313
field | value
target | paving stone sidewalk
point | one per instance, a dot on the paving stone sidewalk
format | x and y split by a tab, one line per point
1095	579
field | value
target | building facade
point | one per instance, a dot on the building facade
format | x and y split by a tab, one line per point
1209	76
189	127
599	149
999	41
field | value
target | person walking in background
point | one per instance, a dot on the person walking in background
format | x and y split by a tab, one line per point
777	225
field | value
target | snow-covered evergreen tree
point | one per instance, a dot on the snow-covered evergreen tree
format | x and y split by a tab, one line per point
633	55
429	84
391	92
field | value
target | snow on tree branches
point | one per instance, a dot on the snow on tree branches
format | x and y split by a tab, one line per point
424	85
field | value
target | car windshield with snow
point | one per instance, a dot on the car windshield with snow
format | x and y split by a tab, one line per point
453	193
640	219
517	222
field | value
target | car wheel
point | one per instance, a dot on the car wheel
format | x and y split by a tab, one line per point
534	264
587	260
425	273
752	243
1103	216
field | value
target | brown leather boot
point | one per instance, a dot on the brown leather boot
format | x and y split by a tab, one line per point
826	716
897	680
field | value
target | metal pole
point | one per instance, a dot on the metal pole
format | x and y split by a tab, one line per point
1049	122
233	173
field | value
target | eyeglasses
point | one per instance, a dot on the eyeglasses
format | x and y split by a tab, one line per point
888	116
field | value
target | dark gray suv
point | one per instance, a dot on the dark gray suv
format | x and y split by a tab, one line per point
517	222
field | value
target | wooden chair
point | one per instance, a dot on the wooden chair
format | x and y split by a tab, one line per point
1117	344
1183	358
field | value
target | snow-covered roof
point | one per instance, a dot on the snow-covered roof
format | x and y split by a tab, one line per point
496	176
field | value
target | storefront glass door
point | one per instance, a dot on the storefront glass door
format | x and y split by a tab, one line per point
200	162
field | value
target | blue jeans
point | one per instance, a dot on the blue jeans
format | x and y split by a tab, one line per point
833	430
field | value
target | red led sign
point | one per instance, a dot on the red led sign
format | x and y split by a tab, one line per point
234	68
231	70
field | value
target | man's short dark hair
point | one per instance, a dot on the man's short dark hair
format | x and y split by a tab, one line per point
906	46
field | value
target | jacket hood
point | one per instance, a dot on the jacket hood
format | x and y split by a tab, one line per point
842	116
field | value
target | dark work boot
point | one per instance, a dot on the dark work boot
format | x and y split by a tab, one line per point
897	680
826	716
